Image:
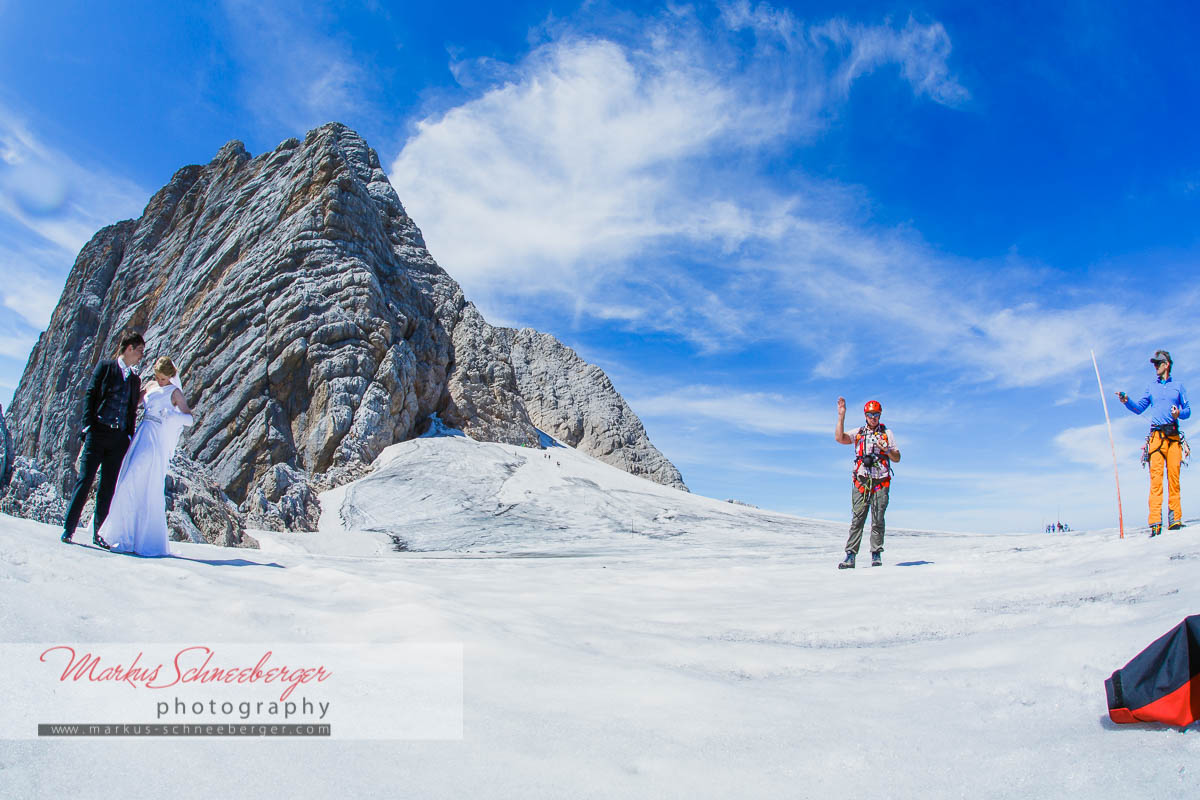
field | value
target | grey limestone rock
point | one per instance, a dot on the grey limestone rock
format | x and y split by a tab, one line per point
576	403
32	495
284	500
6	453
311	328
198	510
485	401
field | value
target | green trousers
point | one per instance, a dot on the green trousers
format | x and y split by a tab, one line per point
862	502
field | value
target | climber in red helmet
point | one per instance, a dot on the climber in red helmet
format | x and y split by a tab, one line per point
874	452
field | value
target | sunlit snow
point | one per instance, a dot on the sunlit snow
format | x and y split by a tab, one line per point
623	639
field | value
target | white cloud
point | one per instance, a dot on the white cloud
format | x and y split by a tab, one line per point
921	51
760	412
1089	444
770	413
54	196
837	363
627	180
567	168
16	339
50	206
595	167
38	278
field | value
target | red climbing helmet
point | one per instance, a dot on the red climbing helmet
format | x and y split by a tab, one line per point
872	407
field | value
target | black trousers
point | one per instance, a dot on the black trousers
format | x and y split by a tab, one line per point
103	450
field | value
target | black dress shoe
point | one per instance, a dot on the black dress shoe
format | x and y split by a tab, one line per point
65	538
96	540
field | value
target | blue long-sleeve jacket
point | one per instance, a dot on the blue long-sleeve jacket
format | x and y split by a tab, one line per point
1159	397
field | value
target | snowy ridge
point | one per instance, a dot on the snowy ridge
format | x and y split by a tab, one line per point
449	493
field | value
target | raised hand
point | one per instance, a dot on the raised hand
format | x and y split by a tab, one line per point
841	406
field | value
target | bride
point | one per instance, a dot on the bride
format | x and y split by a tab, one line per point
137	518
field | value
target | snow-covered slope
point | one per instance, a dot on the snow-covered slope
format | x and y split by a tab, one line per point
450	493
674	646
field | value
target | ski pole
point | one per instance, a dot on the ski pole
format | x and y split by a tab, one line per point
1112	444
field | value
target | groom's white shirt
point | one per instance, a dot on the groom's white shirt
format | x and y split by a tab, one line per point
124	367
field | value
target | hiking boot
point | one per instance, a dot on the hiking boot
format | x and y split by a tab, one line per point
65	538
848	563
1155	529
877	558
99	542
1174	526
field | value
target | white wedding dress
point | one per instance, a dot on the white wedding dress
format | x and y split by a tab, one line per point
137	518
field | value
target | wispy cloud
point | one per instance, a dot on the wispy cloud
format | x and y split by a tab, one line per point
771	413
38	275
294	74
760	412
623	180
50	206
16	336
625	176
838	362
51	194
1089	444
921	51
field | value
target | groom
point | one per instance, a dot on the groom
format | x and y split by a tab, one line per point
108	419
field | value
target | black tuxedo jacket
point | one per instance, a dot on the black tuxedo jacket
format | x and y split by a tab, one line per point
105	378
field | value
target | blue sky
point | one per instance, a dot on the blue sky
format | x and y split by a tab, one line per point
740	210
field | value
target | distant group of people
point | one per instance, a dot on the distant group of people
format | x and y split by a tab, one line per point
1057	526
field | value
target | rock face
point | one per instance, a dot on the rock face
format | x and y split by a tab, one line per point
198	510
576	403
311	328
30	494
6	452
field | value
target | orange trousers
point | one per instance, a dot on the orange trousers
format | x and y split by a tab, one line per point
1164	451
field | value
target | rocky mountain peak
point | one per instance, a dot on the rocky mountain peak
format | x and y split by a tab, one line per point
311	328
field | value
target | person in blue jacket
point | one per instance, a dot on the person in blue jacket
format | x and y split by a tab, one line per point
1167	400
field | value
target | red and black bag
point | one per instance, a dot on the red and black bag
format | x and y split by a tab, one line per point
1161	683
